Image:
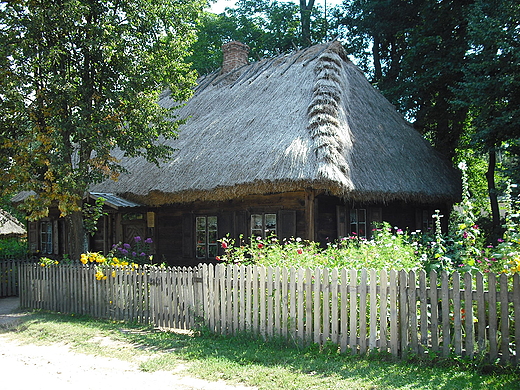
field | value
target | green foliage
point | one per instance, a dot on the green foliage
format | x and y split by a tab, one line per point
388	248
267	27
80	78
92	213
13	248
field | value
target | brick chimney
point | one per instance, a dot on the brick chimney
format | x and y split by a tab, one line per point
234	56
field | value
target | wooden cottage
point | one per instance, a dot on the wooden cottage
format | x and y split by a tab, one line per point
299	145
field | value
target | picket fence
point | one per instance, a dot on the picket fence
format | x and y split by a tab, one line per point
9	277
360	311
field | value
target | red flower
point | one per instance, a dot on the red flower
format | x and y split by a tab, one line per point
224	245
299	251
260	246
218	258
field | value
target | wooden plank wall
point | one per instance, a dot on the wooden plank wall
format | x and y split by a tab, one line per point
360	311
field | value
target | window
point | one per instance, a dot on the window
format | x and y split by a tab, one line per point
46	238
263	225
358	222
427	223
206	233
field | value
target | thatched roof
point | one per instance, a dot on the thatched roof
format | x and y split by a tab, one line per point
10	226
309	119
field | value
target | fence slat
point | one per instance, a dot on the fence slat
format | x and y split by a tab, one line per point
383	311
344	311
504	318
363	311
516	307
403	311
468	320
353	311
492	302
301	305
457	320
412	312
481	313
317	305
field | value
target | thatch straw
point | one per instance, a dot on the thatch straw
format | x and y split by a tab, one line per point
10	226
305	120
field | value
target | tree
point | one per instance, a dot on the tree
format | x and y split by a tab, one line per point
415	51
80	78
267	27
491	89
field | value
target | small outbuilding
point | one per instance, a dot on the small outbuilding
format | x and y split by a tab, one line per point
10	226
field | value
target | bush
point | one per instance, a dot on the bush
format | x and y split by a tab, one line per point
13	248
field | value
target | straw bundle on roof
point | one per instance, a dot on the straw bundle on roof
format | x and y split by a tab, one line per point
309	119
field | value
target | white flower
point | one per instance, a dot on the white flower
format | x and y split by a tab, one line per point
298	239
463	166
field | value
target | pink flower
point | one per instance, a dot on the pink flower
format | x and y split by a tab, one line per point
224	245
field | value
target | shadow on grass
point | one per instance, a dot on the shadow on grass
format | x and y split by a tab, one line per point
245	351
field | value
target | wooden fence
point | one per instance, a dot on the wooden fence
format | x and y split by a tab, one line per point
398	312
9	277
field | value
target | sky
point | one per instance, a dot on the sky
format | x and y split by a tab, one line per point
220	5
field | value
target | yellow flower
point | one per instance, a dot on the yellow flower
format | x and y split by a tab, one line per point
113	274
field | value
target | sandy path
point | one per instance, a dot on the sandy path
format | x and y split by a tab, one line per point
57	367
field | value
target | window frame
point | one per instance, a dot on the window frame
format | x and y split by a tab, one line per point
209	231
266	230
358	222
46	237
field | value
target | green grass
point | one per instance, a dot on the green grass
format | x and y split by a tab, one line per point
247	360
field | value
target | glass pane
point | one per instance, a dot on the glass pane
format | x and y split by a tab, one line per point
212	237
362	215
201	251
212	250
256	222
212	223
362	229
270	224
201	237
353	216
201	223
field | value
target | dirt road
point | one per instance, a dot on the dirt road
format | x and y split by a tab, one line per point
57	367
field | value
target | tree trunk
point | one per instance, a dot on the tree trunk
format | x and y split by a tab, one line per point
77	239
378	71
493	198
305	13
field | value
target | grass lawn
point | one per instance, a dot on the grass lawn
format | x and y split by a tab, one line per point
246	360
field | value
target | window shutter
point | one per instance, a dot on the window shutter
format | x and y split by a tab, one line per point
55	241
341	215
287	224
241	225
188	243
33	237
225	225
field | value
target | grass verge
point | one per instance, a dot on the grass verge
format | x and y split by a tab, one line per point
250	361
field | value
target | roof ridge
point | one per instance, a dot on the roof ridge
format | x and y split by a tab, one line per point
329	142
